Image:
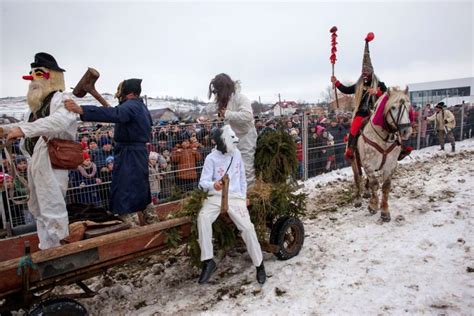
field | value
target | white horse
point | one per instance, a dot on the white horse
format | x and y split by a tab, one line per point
379	146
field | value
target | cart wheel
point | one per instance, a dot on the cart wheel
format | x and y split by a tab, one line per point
288	234
59	306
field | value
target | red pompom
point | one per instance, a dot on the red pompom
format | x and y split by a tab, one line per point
333	29
370	36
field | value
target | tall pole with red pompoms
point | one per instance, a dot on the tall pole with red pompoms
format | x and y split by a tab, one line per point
333	58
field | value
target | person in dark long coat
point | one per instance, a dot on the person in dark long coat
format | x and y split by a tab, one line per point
130	189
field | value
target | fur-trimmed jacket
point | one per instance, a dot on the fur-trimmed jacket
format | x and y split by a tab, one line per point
442	119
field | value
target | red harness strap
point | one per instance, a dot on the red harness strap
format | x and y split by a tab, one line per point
380	149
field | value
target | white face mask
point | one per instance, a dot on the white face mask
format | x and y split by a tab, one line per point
230	139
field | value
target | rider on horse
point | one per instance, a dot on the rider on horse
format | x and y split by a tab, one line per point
367	90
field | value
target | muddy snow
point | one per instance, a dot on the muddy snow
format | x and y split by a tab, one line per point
419	263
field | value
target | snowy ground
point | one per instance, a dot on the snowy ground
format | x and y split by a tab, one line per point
350	263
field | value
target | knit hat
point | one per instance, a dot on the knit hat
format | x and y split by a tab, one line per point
366	62
109	159
153	155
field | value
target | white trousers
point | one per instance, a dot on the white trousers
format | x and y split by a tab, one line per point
239	214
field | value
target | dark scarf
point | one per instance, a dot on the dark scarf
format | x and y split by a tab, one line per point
43	111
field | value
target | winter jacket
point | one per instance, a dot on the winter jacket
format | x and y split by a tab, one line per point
186	160
441	117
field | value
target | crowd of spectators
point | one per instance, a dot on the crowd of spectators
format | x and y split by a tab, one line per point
177	151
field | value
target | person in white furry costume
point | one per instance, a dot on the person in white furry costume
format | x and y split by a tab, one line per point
46	117
226	159
236	109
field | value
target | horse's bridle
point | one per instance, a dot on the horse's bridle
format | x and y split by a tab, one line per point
398	127
391	131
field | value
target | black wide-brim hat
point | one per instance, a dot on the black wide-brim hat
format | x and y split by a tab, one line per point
47	61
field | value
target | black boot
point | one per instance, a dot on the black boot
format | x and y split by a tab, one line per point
442	148
208	268
453	148
406	150
261	275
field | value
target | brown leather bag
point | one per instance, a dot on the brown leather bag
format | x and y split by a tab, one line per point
64	154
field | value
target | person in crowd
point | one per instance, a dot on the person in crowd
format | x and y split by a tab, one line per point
155	177
186	159
106	171
105	151
21	187
444	124
130	189
424	136
226	159
105	174
93	148
367	90
85	180
299	156
46	117
167	175
236	110
338	132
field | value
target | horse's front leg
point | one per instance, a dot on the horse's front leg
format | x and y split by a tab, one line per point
357	183
385	214
374	193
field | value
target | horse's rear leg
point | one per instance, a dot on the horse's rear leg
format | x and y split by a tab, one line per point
374	196
385	214
357	180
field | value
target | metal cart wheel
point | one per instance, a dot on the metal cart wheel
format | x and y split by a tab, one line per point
59	306
288	234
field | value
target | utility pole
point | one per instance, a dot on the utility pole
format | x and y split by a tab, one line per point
279	103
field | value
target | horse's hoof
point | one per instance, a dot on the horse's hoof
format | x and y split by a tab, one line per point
372	211
357	203
385	217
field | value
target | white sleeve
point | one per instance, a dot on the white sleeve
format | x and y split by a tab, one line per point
206	176
244	110
57	122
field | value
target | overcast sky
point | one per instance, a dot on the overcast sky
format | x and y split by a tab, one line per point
271	47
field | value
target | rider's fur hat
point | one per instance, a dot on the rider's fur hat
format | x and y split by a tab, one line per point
366	62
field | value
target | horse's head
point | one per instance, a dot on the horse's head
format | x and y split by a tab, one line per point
397	113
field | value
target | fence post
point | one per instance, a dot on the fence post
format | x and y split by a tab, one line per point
462	121
418	137
304	135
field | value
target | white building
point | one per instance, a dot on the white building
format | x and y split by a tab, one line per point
451	92
284	108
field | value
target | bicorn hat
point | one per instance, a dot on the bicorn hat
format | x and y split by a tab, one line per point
47	61
366	62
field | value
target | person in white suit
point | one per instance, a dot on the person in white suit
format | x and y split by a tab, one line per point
226	159
47	117
236	109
